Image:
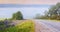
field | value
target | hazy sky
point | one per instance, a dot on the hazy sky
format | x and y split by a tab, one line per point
29	1
28	12
29	8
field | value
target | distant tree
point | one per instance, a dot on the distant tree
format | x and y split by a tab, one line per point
37	16
17	16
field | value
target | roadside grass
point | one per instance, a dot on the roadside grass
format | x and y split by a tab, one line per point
52	20
26	26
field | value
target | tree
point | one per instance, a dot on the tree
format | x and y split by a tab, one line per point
17	16
14	16
54	11
37	16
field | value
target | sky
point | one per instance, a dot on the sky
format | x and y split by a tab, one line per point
29	1
27	11
29	8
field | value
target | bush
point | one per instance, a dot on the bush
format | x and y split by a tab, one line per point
27	26
4	24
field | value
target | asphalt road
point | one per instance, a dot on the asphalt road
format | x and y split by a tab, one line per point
47	26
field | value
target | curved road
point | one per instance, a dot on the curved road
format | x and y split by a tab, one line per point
47	26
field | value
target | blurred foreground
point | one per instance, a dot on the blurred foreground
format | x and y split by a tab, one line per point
17	26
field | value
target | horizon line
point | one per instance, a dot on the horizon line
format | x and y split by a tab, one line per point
22	5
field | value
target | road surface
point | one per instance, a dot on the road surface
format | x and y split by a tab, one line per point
47	26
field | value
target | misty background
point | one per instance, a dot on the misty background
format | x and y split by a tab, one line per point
28	11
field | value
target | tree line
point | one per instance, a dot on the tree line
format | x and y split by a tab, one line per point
52	13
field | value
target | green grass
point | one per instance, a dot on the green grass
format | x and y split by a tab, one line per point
54	20
26	26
